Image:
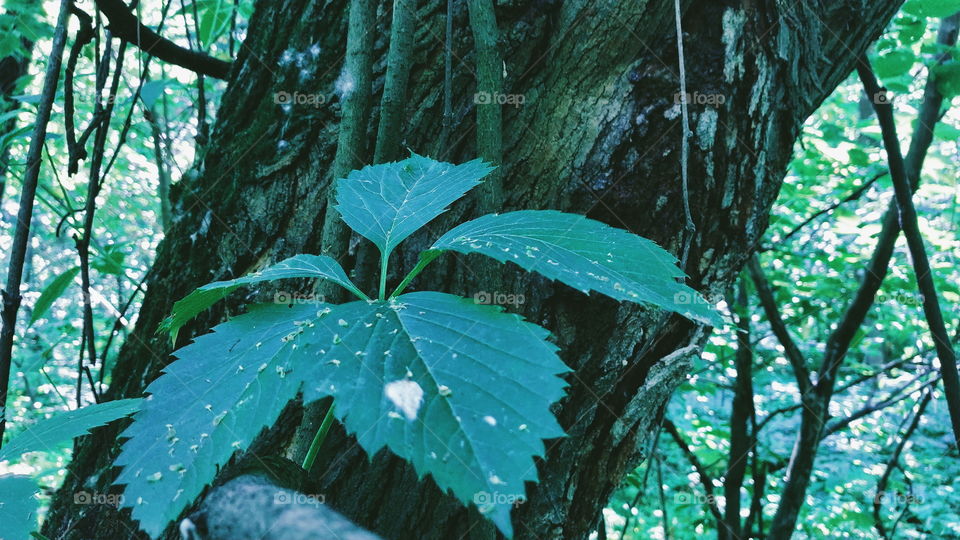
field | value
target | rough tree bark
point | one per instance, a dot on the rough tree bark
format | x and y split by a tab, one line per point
598	134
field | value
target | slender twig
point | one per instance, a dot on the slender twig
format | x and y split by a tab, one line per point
93	190
906	507
75	151
393	101
758	477
701	471
118	323
93	386
203	130
128	121
231	41
53	385
355	83
663	499
892	462
877	372
652	456
772	311
483	22
689	226
21	237
163	175
853	196
447	124
896	396
846	386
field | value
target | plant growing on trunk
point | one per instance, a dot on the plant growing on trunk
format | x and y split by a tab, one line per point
460	389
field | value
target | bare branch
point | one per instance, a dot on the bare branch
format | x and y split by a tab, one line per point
911	229
892	462
790	349
483	22
705	478
815	412
853	196
393	101
742	414
896	396
18	250
125	25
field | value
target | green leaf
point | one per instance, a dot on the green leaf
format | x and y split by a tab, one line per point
948	79
212	18
53	291
299	266
932	8
214	21
389	202
109	260
18	133
152	91
894	63
460	390
11	44
9	115
225	387
585	254
33	99
47	433
910	29
18	507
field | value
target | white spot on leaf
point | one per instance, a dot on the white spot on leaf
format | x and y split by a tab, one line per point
407	396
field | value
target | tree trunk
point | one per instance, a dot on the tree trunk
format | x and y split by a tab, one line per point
598	133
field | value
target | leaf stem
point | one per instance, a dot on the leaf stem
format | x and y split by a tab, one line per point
318	439
384	258
425	258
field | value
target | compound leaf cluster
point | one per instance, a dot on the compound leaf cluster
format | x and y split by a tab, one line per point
461	390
